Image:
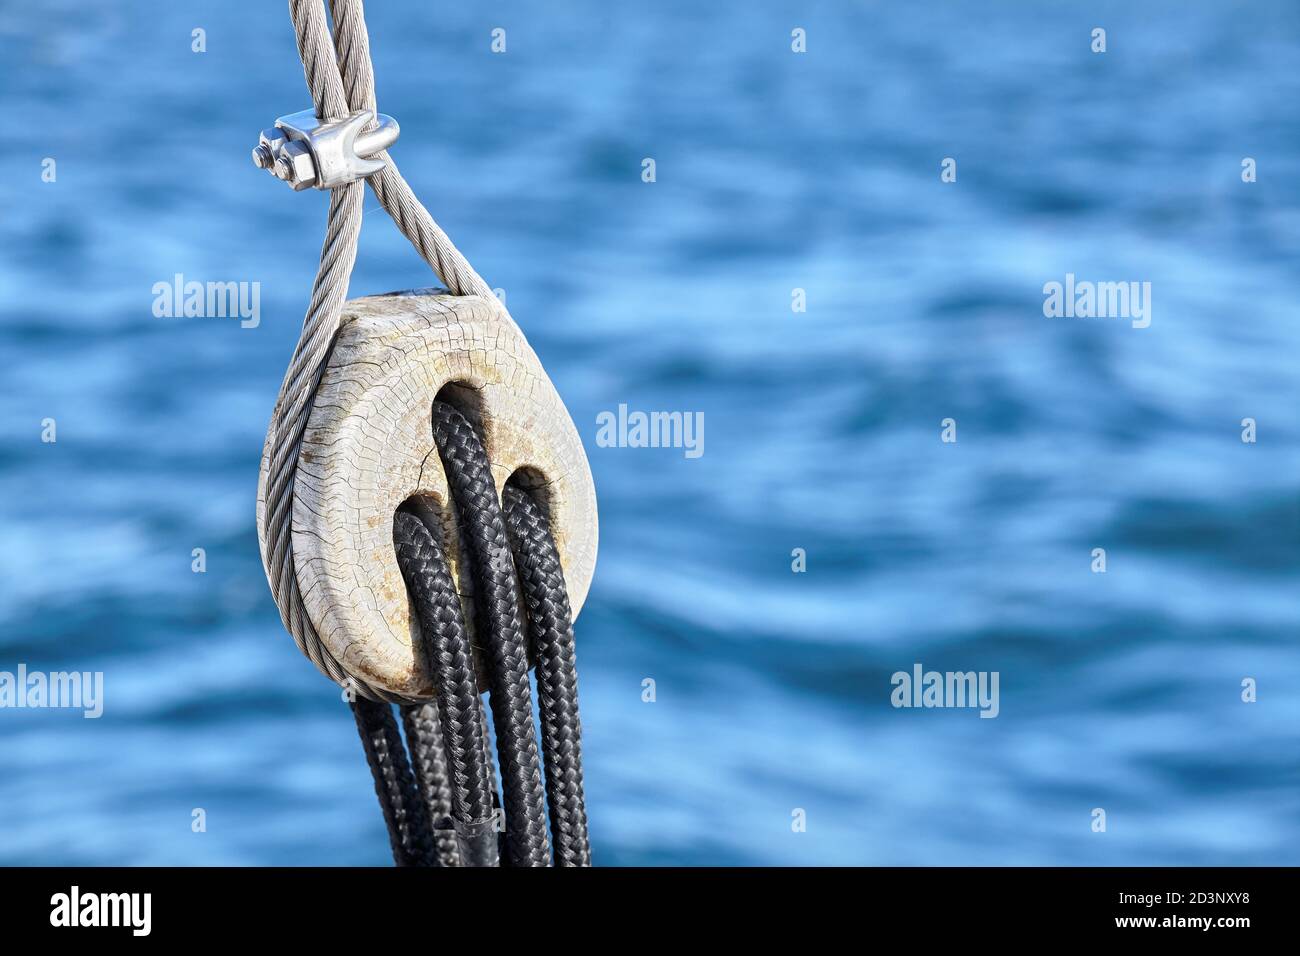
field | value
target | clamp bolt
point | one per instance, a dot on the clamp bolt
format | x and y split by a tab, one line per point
304	150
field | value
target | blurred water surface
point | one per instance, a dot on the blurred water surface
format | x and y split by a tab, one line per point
775	171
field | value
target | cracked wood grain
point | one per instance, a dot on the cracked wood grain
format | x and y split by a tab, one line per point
368	448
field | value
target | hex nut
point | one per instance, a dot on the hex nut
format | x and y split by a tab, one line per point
301	169
273	139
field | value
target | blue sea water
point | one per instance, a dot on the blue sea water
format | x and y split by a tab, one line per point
775	171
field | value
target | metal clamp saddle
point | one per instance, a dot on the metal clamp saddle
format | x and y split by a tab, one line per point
304	150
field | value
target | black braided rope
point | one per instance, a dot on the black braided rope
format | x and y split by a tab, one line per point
451	662
405	813
497	617
444	813
429	761
550	635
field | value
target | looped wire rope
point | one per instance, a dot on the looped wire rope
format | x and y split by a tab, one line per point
443	810
341	78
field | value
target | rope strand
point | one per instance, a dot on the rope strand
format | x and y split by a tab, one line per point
428	760
497	614
404	812
550	636
451	663
352	43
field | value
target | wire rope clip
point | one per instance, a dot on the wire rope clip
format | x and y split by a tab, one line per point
304	150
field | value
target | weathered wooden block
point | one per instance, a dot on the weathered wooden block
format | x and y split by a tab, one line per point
369	448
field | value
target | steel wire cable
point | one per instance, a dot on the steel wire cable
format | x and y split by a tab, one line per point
452	778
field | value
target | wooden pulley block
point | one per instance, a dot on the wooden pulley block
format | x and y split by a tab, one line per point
369	448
